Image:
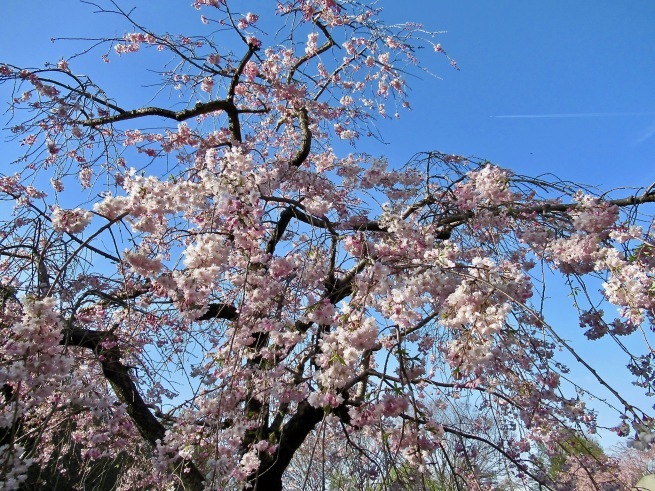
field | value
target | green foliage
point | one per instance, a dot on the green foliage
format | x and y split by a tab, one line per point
574	445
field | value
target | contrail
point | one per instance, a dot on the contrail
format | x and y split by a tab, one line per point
572	115
646	134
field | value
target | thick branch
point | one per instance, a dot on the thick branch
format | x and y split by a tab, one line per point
456	219
280	228
252	49
220	311
306	143
197	110
545	208
320	50
343	286
269	476
127	392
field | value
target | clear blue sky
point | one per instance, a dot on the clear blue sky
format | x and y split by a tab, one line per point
542	58
576	78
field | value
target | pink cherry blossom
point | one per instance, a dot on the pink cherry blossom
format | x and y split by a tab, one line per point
71	221
253	297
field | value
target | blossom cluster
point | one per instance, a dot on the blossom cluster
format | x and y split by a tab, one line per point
488	186
70	221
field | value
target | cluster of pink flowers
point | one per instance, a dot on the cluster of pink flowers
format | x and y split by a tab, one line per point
248	20
142	264
35	362
86	174
133	41
251	70
198	4
488	186
311	46
22	368
207	84
629	286
71	221
594	217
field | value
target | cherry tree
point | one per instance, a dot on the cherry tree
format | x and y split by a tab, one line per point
633	463
196	284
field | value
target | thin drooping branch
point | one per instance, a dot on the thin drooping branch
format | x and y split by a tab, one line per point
502	451
72	236
79	91
82	246
161	40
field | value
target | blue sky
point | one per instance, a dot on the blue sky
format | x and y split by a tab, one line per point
545	87
591	60
542	58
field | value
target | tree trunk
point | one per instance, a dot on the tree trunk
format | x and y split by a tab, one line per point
269	475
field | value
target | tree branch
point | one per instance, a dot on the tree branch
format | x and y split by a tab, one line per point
280	228
306	143
197	110
117	374
220	311
291	436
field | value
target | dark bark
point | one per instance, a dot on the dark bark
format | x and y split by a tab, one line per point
280	228
117	374
220	311
306	142
269	475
